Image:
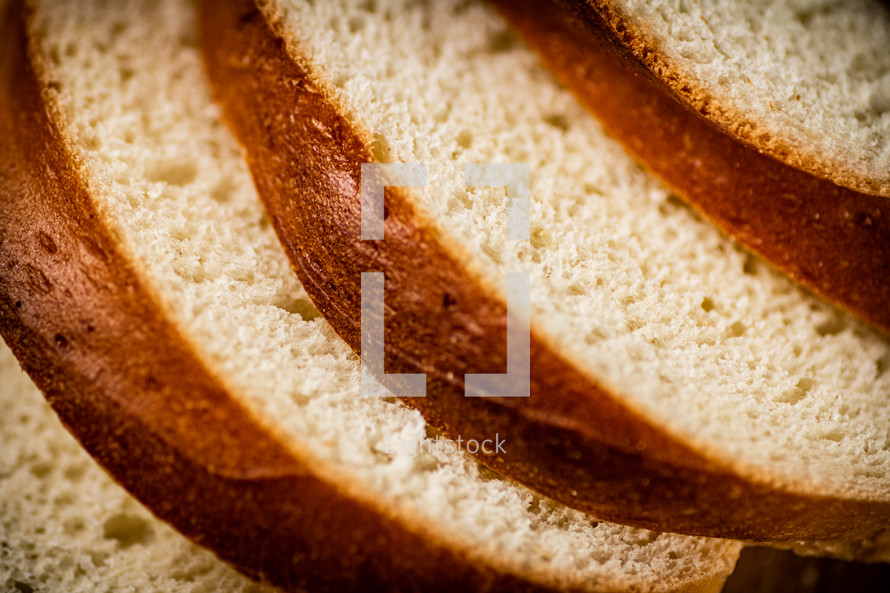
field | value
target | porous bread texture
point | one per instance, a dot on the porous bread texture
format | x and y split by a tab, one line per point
706	341
173	185
66	527
806	80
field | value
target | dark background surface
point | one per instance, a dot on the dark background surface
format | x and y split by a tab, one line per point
762	570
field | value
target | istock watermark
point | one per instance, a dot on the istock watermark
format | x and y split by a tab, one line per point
399	447
516	179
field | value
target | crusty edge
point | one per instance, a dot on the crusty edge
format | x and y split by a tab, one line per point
572	440
94	339
832	240
692	91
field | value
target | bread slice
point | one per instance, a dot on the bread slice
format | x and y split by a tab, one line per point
769	119
66	527
143	290
730	60
677	383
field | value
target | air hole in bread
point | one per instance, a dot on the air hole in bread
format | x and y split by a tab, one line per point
540	238
98	559
172	171
117	29
127	530
356	23
41	470
302	307
749	267
74	526
465	139
577	289
833	435
591	189
222	192
831	326
798	392
559	122
75	472
672	203
503	41
594	336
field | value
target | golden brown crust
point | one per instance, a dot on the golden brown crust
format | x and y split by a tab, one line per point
833	240
95	339
570	440
731	119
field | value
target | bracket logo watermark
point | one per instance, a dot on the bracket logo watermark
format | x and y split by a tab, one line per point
516	179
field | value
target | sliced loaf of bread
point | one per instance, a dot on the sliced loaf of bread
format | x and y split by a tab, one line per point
770	119
677	382
144	292
66	527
